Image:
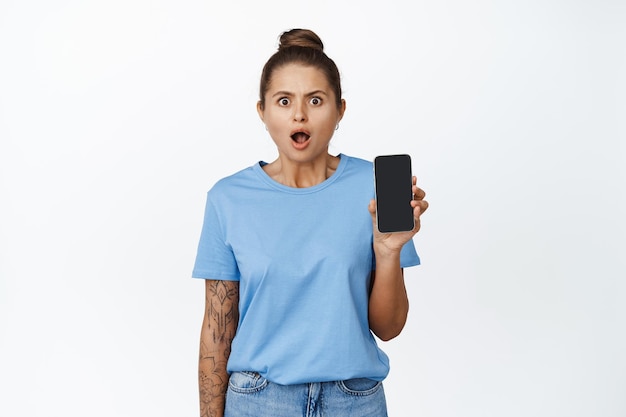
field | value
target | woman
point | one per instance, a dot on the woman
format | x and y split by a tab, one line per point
297	276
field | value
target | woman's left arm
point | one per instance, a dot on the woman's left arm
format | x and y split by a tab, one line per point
388	303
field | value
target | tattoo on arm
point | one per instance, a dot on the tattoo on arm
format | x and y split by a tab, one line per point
219	327
222	310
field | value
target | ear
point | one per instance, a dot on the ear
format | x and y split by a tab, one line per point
342	110
260	110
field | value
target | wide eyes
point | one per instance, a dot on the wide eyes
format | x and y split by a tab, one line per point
314	101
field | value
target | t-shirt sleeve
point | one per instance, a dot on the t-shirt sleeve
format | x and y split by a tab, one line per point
408	255
215	258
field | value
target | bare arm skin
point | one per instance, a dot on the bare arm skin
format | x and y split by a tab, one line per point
221	315
388	303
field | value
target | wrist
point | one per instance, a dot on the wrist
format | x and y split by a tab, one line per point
386	256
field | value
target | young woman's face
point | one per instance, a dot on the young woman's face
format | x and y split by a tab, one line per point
300	112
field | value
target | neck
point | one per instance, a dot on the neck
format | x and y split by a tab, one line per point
302	174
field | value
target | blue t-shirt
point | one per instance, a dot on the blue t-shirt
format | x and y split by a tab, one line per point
303	257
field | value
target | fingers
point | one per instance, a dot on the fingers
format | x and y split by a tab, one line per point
418	198
418	193
372	207
422	205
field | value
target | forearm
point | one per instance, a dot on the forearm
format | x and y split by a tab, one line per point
218	331
212	379
388	303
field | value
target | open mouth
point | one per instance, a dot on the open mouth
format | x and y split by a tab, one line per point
300	137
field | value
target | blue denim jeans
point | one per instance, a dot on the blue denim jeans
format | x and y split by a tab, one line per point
251	395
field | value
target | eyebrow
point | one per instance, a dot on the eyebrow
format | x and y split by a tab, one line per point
289	94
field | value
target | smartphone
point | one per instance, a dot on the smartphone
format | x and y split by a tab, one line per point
394	191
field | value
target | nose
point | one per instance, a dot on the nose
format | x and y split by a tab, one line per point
299	113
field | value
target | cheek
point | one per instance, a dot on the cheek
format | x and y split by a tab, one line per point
274	126
330	122
271	121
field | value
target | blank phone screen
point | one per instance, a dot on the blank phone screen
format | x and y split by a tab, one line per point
393	180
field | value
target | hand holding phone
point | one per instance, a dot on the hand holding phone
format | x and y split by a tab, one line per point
394	192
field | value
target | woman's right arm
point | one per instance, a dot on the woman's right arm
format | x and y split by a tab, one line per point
219	326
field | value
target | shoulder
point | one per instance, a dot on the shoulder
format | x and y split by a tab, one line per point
237	188
357	163
356	178
358	166
245	178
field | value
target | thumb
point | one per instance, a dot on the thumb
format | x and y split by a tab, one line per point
372	207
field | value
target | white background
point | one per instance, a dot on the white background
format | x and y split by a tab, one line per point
117	116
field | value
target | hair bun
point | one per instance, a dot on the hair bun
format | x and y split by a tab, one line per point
300	37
